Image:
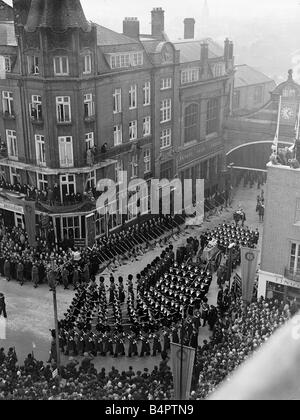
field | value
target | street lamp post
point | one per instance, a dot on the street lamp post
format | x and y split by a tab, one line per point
52	283
229	270
181	356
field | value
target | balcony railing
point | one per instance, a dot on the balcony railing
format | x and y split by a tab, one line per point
292	275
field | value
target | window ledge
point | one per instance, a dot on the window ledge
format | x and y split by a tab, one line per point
297	224
7	116
190	144
64	123
90	119
212	136
37	122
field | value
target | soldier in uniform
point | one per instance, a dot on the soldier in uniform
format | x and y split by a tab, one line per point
7	273
20	273
99	343
65	277
35	275
175	338
145	345
109	345
2	305
156	344
132	345
167	342
80	343
120	349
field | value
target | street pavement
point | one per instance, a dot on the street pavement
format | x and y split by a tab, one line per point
30	311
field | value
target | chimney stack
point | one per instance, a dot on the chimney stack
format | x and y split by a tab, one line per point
189	28
230	54
226	49
158	22
204	52
131	27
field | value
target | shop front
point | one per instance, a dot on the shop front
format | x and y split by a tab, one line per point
278	287
11	214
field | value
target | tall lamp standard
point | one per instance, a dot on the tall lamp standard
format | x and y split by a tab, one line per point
52	284
229	269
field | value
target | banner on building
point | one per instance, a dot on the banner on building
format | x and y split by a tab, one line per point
182	362
90	230
29	215
249	259
2	67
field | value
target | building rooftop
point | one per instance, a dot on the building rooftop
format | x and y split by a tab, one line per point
190	49
247	76
58	15
6	12
106	36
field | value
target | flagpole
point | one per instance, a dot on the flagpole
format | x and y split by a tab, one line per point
278	125
298	125
181	355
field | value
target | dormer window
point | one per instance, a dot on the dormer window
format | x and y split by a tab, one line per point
61	66
124	60
8	67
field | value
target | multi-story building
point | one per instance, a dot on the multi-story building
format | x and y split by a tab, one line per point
81	102
279	274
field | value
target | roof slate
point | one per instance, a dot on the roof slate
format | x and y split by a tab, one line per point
247	76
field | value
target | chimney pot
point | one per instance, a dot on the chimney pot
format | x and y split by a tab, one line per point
131	27
158	22
189	28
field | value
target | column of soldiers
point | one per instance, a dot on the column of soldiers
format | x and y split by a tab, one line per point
20	262
166	292
157	308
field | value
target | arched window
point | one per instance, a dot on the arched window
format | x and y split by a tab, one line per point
191	118
288	92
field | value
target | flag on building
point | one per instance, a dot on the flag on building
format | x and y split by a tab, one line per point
91	230
182	362
2	67
236	287
2	328
249	259
29	214
275	142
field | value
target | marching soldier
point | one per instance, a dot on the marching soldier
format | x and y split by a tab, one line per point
132	346
65	277
145	345
167	342
80	343
120	349
156	344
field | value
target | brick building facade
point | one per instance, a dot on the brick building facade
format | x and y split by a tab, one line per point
280	260
81	102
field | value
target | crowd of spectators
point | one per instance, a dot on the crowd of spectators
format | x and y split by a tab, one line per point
71	265
50	196
239	331
36	381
